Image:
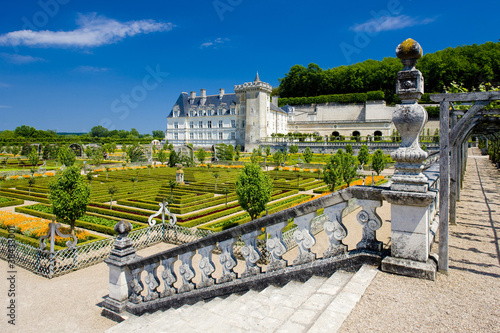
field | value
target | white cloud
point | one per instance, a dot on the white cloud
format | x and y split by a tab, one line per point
19	59
214	43
387	23
93	30
91	69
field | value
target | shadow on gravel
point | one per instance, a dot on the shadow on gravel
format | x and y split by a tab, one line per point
495	235
475	271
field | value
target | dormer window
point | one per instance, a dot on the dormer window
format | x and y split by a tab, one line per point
191	113
233	111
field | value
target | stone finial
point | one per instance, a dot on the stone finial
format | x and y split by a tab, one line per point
123	228
409	52
409	119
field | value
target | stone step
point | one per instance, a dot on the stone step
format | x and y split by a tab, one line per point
317	305
331	319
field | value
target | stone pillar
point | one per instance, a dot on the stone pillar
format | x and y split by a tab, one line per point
119	275
409	196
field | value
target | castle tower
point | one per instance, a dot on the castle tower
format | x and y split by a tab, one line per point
254	101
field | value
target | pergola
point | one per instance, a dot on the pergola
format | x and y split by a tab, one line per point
456	127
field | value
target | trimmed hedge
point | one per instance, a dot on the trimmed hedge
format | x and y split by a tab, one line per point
23	196
11	202
336	98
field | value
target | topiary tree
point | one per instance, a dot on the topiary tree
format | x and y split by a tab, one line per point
69	196
378	161
268	151
66	156
308	155
253	189
162	156
363	155
226	192
332	174
90	175
173	159
348	149
201	155
172	184
216	175
133	180
33	157
349	170
111	190
294	149
31	182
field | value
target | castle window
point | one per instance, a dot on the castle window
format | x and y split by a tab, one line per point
209	112
209	124
191	113
176	125
200	124
209	136
221	136
233	136
219	112
200	136
221	124
233	123
242	124
233	111
191	124
191	136
176	136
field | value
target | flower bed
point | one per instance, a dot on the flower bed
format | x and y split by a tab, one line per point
34	228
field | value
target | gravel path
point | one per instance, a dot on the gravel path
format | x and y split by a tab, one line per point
465	300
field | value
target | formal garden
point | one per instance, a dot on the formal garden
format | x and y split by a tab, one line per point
206	202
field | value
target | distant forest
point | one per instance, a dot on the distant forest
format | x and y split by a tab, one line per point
470	65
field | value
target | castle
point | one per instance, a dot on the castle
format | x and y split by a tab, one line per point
248	117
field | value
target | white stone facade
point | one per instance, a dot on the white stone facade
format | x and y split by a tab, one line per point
242	118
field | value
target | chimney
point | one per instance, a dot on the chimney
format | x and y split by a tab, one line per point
203	96
192	96
274	100
221	93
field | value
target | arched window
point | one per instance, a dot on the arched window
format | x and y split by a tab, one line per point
356	136
377	135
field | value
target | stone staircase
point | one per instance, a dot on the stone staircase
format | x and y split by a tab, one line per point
318	305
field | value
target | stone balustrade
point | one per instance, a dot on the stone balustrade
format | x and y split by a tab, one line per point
137	286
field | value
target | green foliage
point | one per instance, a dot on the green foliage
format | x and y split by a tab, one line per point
173	159
33	157
158	134
349	170
66	156
225	152
69	196
136	153
253	189
471	65
268	151
378	161
201	155
332	174
433	112
278	157
308	155
363	155
294	149
348	149
162	156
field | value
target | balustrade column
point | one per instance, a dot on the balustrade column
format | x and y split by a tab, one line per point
304	238
275	246
186	271
227	260
206	266
251	253
409	194
120	277
335	230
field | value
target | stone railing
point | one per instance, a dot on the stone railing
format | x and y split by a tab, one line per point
136	285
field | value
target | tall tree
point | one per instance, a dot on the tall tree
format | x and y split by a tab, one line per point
201	155
363	155
332	174
66	156
378	161
253	189
349	170
69	196
308	155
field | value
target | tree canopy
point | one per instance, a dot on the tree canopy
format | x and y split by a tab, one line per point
253	189
69	196
469	64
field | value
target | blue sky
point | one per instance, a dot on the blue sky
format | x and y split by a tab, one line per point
69	65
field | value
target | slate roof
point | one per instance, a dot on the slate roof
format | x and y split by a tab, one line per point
184	105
